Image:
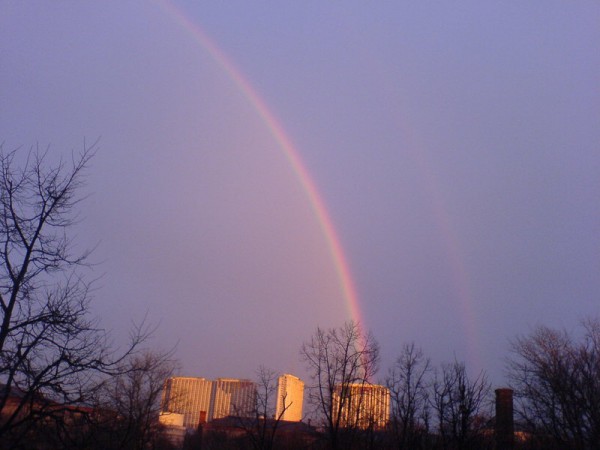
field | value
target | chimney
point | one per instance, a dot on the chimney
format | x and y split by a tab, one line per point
505	430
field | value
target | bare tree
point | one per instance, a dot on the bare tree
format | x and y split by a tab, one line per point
124	414
262	426
459	404
408	384
50	349
338	359
556	380
134	396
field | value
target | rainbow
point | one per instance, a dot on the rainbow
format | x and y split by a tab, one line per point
460	275
291	153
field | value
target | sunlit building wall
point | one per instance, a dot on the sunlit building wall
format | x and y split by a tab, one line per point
232	397
290	396
172	428
363	405
188	396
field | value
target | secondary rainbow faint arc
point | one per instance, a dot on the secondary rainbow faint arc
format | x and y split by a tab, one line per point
284	141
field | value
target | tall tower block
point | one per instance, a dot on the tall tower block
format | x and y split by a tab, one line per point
232	397
290	396
188	396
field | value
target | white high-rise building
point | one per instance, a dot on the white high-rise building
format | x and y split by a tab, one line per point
232	397
290	396
364	405
188	396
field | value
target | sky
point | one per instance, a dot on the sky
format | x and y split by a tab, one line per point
454	146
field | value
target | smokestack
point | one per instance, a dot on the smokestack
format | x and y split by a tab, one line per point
202	420
505	429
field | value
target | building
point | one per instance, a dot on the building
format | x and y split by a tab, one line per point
362	405
172	428
232	397
188	396
199	400
290	397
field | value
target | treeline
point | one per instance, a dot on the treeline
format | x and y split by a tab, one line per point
553	376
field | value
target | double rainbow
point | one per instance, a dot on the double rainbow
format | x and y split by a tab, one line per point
460	275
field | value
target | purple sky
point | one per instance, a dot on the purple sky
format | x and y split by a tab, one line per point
456	145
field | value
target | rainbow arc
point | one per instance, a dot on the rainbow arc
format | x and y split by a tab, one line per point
316	201
291	153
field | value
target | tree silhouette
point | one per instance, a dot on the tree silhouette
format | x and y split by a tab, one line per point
409	384
337	359
459	404
51	352
556	380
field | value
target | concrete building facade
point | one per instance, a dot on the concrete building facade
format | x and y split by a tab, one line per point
290	398
362	406
232	397
188	396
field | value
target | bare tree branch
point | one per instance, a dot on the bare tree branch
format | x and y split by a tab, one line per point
338	359
409	384
51	352
556	380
